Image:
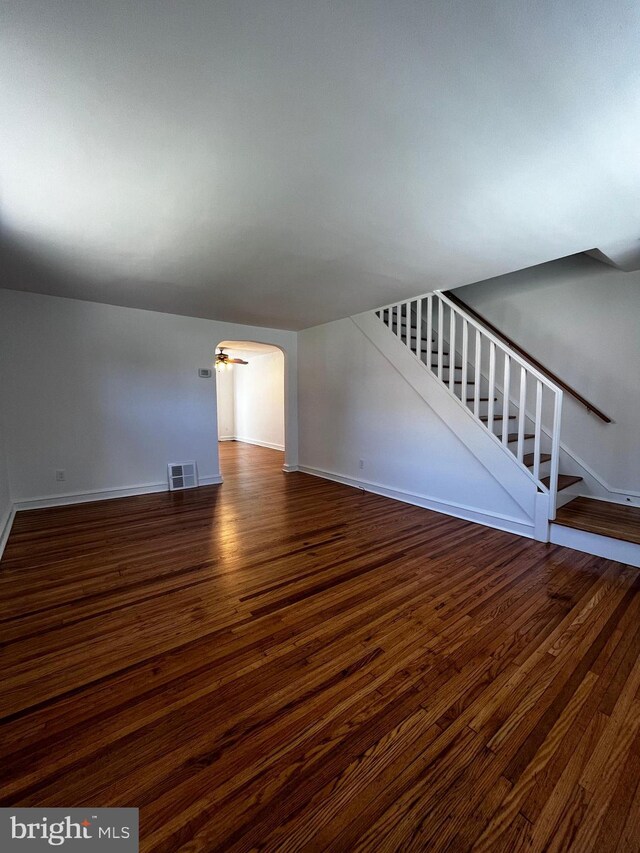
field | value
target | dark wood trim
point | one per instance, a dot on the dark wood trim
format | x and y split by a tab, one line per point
534	361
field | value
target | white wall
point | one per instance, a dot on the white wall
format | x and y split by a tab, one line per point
225	395
581	319
112	394
354	405
259	400
6	504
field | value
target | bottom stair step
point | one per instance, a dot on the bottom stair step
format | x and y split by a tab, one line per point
602	518
564	481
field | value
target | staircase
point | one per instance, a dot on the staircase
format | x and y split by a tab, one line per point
518	405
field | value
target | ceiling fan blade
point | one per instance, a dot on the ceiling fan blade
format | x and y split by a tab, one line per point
236	361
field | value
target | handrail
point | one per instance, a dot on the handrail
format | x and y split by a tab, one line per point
548	374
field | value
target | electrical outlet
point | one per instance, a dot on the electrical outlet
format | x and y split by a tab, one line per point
361	464
60	476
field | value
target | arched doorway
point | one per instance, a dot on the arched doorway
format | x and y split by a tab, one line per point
251	404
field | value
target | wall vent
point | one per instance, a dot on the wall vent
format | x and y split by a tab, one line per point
182	475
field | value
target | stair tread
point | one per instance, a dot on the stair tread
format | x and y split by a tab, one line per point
485	418
513	436
528	459
564	481
617	521
480	399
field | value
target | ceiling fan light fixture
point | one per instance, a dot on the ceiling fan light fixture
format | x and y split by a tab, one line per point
224	362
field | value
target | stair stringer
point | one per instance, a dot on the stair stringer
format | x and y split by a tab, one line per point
497	460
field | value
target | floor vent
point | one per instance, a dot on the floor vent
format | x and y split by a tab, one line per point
182	475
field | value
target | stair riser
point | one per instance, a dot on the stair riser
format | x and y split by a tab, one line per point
497	431
545	469
432	361
424	352
446	366
401	330
458	374
483	408
528	446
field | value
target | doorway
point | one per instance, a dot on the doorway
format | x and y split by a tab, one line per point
250	394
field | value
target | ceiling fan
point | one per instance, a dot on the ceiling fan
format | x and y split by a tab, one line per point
224	360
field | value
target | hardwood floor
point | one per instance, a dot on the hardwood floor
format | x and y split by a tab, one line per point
607	519
284	663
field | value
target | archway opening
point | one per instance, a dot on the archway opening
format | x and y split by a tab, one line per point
251	405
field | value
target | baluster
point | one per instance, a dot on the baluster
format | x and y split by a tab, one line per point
407	324
536	430
430	330
419	328
465	356
440	332
452	350
492	382
555	453
506	394
521	412
478	375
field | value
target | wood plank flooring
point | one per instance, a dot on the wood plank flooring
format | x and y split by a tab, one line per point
284	663
607	519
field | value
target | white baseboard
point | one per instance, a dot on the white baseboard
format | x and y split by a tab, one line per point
226	438
212	480
593	543
85	497
289	469
259	443
103	494
5	527
497	521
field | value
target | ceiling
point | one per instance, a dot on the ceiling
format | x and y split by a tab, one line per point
289	162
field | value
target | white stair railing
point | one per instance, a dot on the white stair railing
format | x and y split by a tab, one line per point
477	368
